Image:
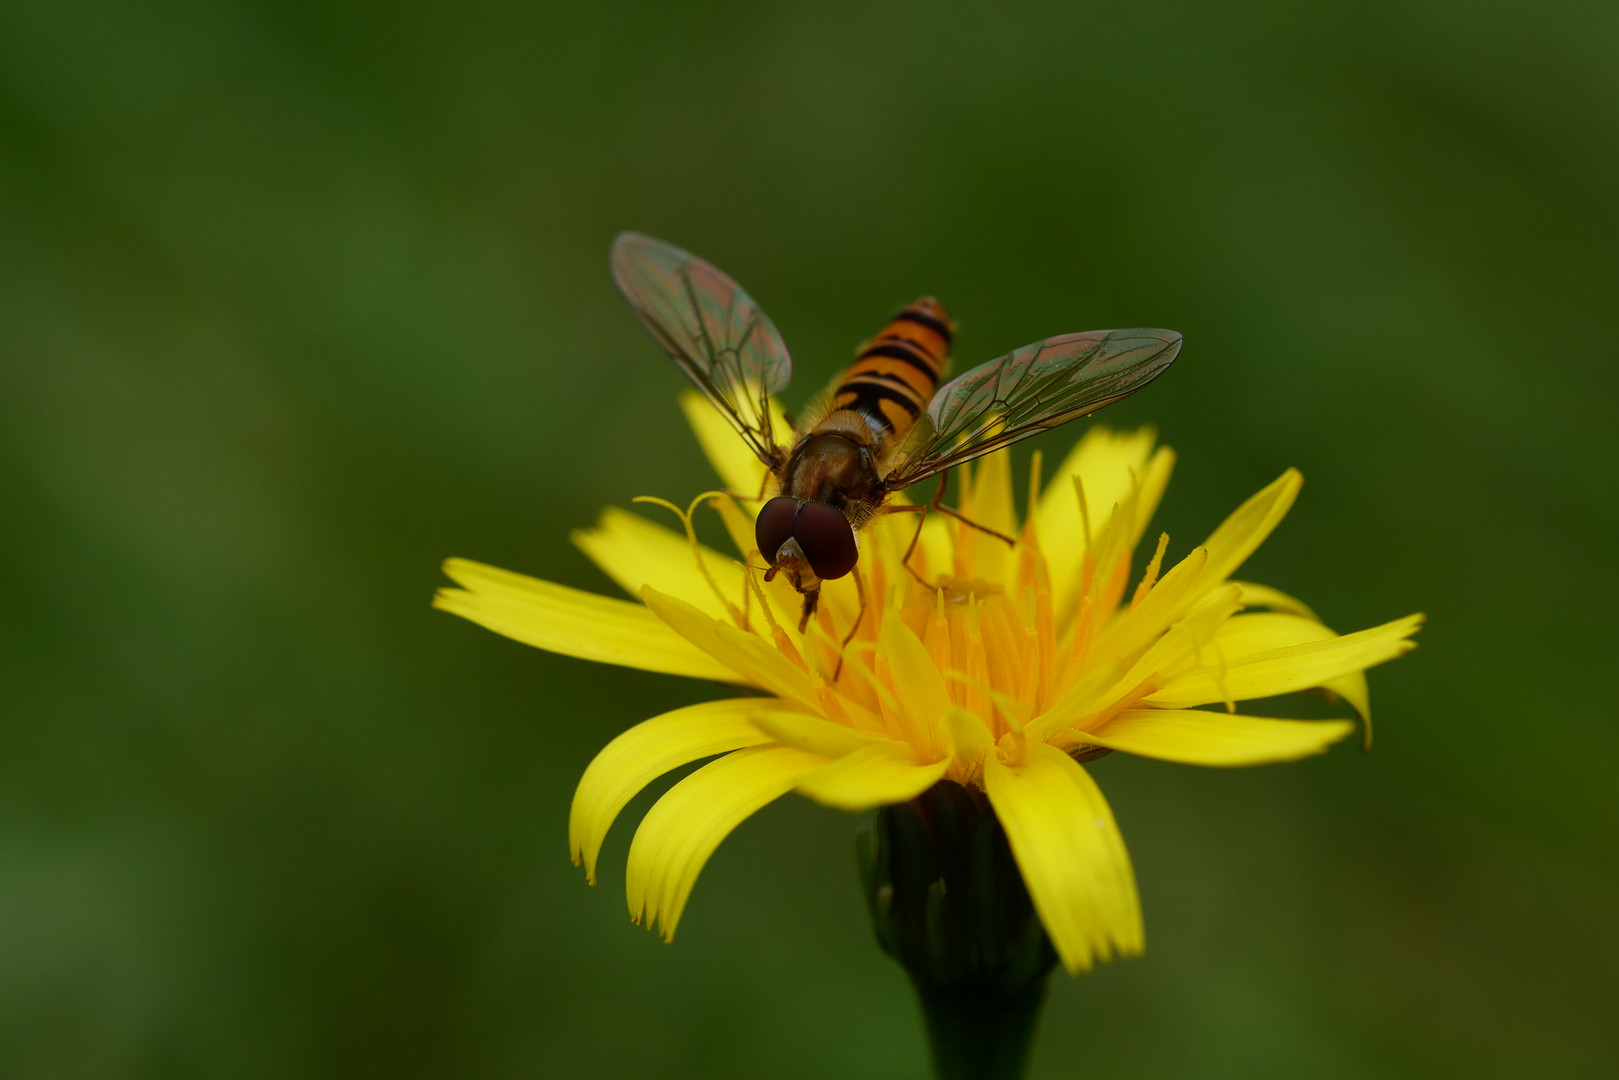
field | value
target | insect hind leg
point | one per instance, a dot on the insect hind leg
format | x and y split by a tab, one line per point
937	503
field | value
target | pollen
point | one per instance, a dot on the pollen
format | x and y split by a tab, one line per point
957	591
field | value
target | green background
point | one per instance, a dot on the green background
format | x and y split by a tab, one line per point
297	300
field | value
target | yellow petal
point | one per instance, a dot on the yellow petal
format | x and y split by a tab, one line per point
1248	526
1108	463
647	751
970	739
1085	697
739	470
987	501
1164	604
917	684
1246	635
572	622
935	544
1282	671
885	772
1199	737
1176	652
1070	853
635	552
738	522
684	827
1150	490
1263	596
746	654
805	732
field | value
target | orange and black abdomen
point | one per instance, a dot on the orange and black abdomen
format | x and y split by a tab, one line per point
898	370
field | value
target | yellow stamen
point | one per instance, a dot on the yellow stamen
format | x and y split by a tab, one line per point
1046	638
873	620
1029	681
852	661
1146	686
697	548
977	661
1016	712
783	643
1116	582
1001	646
1150	577
1084	512
937	641
825	630
737	525
1013	747
1079	649
1036	460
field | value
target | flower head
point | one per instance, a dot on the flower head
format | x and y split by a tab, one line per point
1002	668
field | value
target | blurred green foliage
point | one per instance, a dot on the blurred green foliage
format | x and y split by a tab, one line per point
298	299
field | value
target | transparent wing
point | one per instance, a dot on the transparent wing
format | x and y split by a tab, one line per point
720	338
1030	390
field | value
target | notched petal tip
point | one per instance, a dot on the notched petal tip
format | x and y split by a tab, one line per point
646	751
683	828
1070	854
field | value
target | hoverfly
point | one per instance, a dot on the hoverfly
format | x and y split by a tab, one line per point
887	425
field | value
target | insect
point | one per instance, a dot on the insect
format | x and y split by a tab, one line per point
887	424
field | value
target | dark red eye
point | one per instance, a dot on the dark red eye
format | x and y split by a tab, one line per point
775	526
827	540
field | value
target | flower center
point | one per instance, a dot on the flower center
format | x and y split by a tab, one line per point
957	590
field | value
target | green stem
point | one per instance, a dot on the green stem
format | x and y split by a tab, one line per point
948	903
981	1034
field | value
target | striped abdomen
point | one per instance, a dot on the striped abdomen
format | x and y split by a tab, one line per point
898	370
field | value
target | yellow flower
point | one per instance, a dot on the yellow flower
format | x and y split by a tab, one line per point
1013	667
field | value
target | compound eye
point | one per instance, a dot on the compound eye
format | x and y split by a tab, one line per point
827	540
775	526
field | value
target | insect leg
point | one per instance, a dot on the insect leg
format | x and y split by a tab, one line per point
860	591
921	513
938	504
